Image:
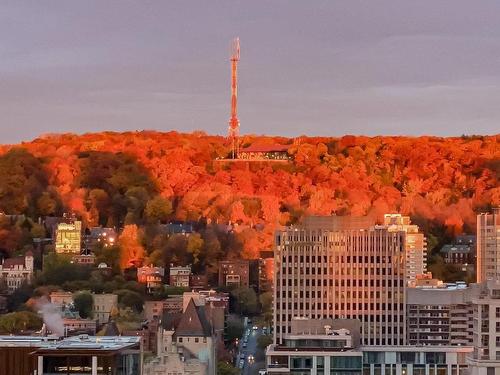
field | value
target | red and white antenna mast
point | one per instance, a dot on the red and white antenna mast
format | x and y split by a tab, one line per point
234	123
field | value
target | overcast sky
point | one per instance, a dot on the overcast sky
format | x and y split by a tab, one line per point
307	67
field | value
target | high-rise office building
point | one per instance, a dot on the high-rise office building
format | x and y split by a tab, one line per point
415	244
488	246
338	267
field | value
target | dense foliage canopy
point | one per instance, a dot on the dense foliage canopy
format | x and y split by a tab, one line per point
148	177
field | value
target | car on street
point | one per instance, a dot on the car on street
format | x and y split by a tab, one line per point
242	363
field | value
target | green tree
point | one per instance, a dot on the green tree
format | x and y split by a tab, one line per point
445	271
157	209
131	299
109	255
136	198
46	205
84	304
58	270
235	329
98	202
194	246
20	321
22	182
246	300
225	368
175	250
175	290
20	296
37	231
263	341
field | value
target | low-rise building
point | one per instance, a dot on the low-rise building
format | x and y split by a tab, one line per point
84	259
17	271
177	227
234	273
151	276
460	254
426	280
147	336
198	282
173	304
23	355
257	152
104	305
61	298
332	350
153	310
76	325
180	276
99	236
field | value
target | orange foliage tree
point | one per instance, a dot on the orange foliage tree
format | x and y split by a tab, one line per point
131	250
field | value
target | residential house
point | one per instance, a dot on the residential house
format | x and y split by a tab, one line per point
17	271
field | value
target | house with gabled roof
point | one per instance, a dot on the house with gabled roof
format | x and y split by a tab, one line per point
186	343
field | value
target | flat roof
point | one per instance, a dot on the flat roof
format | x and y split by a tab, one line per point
81	342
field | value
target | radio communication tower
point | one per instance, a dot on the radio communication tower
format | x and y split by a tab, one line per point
234	123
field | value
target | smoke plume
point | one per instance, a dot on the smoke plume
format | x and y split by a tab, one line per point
51	316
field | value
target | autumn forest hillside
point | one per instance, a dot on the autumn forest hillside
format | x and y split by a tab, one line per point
108	179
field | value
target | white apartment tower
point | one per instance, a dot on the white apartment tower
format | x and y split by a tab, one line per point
342	267
488	246
415	244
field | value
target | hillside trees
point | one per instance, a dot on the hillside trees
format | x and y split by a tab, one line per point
131	249
23	185
144	178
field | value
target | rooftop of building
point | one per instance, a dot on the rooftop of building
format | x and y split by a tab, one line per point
177	227
81	342
266	148
10	263
100	231
465	239
192	322
338	223
456	248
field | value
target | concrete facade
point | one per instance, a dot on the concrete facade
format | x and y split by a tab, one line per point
415	244
349	274
488	246
15	272
104	304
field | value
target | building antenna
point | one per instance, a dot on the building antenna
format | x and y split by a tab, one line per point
234	123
